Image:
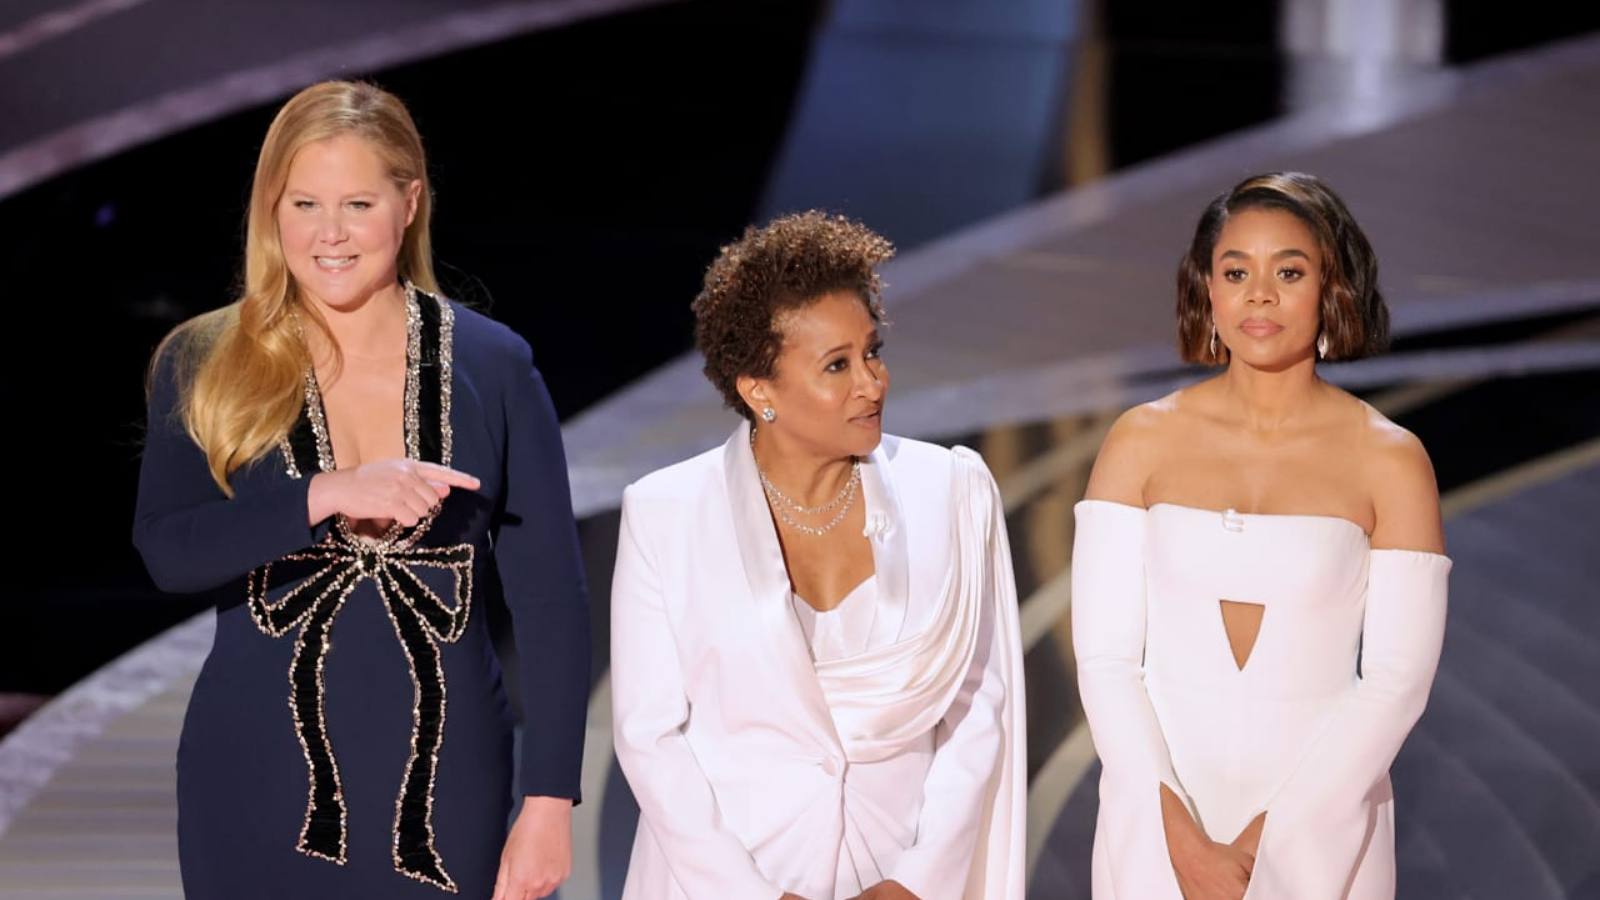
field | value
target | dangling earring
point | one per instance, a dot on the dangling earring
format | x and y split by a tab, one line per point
1214	357
1322	346
769	415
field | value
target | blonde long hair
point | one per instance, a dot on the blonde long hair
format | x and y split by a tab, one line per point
240	369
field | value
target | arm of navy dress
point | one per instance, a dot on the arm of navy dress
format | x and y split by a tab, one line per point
191	536
541	572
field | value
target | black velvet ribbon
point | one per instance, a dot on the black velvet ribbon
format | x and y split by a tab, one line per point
323	576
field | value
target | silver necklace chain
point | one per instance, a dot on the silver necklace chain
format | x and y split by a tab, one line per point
781	503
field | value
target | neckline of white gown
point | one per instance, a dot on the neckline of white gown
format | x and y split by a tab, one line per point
1230	511
1322	517
864	585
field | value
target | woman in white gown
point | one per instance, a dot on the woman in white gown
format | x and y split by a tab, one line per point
816	663
1258	580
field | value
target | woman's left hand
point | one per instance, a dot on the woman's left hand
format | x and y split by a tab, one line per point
538	852
886	890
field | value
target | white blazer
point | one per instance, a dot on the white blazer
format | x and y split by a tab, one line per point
759	771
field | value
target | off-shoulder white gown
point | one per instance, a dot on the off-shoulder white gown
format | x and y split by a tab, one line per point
1296	731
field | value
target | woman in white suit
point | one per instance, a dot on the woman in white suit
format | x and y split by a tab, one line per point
1258	579
816	667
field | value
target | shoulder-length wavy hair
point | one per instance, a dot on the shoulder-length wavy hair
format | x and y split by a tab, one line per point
1354	317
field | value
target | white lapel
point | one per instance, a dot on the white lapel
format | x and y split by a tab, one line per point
768	579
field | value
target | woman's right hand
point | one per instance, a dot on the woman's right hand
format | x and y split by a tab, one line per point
1212	871
401	490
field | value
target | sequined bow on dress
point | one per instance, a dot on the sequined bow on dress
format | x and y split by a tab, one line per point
327	573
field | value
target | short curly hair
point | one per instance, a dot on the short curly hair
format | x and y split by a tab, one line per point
790	263
1354	317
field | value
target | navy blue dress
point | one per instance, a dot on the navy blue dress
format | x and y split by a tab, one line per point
349	734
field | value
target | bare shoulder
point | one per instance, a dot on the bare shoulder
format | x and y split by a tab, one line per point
1393	452
1400	479
1130	451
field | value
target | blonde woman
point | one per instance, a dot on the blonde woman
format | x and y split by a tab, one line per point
351	465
